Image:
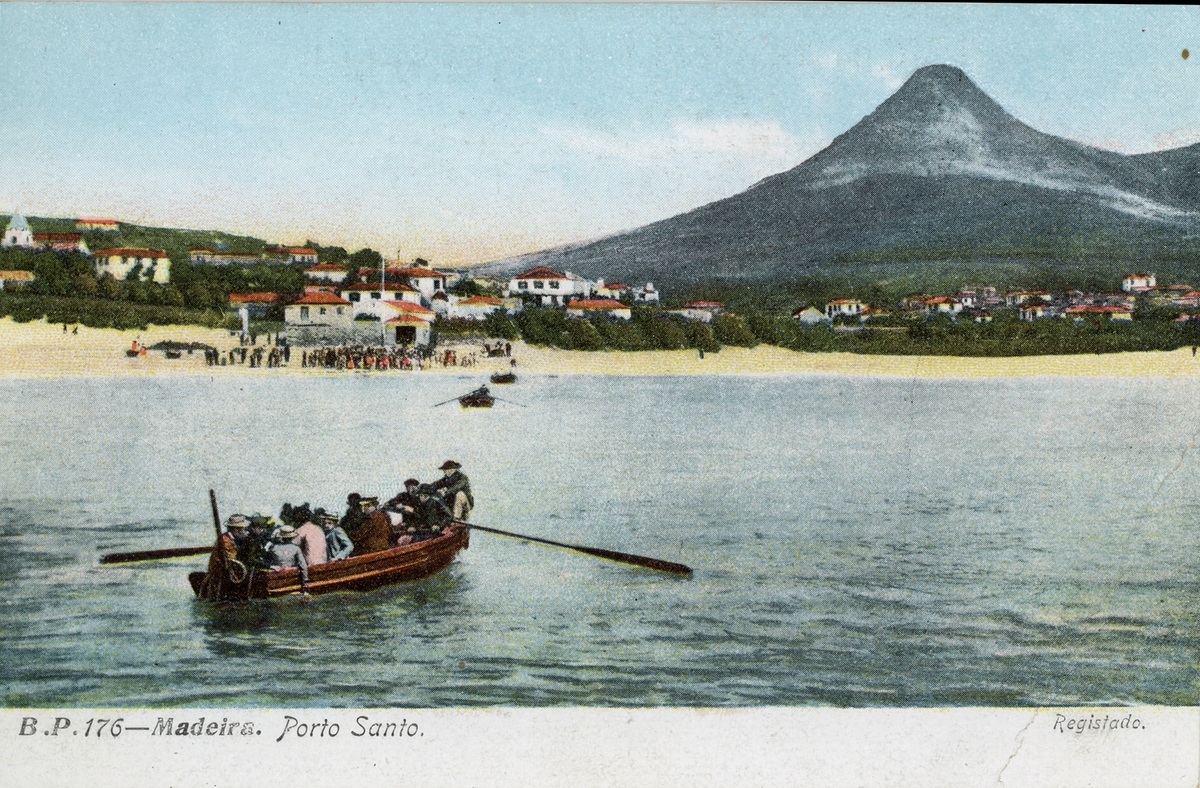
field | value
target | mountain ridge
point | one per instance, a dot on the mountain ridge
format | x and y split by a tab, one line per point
938	161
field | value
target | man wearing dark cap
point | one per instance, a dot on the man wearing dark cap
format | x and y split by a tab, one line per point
374	532
402	508
431	516
455	489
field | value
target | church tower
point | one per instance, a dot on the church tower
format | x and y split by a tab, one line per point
18	233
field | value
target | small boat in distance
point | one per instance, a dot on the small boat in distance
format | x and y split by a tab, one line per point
503	377
359	573
479	398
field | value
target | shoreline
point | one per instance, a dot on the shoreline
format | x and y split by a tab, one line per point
39	350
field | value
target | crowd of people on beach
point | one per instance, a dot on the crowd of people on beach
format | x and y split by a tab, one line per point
354	357
305	537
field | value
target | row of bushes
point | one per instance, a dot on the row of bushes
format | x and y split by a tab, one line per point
99	313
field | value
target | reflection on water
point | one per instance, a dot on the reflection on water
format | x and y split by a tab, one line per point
855	541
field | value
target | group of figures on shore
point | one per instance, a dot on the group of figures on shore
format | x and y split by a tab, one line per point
256	357
307	537
354	357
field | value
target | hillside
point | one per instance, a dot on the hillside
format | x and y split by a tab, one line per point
938	172
175	242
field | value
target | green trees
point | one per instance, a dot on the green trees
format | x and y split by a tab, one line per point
730	330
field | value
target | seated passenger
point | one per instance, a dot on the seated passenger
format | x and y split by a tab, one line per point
337	543
284	554
374	532
430	517
402	507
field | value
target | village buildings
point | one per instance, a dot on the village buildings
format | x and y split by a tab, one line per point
547	287
151	264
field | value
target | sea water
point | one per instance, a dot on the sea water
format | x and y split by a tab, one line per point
856	541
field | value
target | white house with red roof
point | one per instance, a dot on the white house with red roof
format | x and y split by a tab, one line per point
291	254
422	278
943	305
844	307
257	304
701	311
1081	312
98	224
613	290
366	296
478	307
1133	283
320	319
121	261
326	272
599	307
547	287
407	323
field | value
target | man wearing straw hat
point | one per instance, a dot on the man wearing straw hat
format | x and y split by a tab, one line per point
285	554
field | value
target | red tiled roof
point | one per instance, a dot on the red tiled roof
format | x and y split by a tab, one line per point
540	272
253	298
596	303
325	267
129	252
200	249
710	304
406	320
56	236
323	299
481	300
410	307
417	273
613	286
95	220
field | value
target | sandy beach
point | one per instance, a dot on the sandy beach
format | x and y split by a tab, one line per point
39	350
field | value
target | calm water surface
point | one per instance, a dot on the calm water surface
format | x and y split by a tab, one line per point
856	541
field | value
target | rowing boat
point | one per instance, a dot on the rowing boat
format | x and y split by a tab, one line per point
358	573
504	377
479	398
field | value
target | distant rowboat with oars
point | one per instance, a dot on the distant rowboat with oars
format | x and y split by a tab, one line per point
503	377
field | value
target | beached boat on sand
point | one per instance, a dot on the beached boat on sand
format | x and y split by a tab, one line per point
359	573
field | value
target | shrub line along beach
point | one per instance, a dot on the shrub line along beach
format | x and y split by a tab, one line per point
39	350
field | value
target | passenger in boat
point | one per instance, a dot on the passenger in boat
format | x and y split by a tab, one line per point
311	541
431	516
353	516
455	489
405	503
374	532
285	554
337	543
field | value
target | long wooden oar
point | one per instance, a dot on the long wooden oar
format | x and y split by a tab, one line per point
152	555
625	558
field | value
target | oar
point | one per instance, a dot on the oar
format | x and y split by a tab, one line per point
447	401
151	555
510	402
625	558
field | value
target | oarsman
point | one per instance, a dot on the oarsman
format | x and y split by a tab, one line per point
337	543
455	489
405	503
374	532
216	577
432	515
311	541
285	554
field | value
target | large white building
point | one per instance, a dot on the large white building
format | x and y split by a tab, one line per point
155	264
548	287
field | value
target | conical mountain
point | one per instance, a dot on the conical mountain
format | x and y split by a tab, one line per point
939	164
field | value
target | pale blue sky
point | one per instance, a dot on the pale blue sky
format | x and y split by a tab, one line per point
468	132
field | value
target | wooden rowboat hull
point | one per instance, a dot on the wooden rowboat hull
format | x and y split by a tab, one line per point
359	573
511	377
475	402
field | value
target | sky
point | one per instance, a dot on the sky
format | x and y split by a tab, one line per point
465	133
